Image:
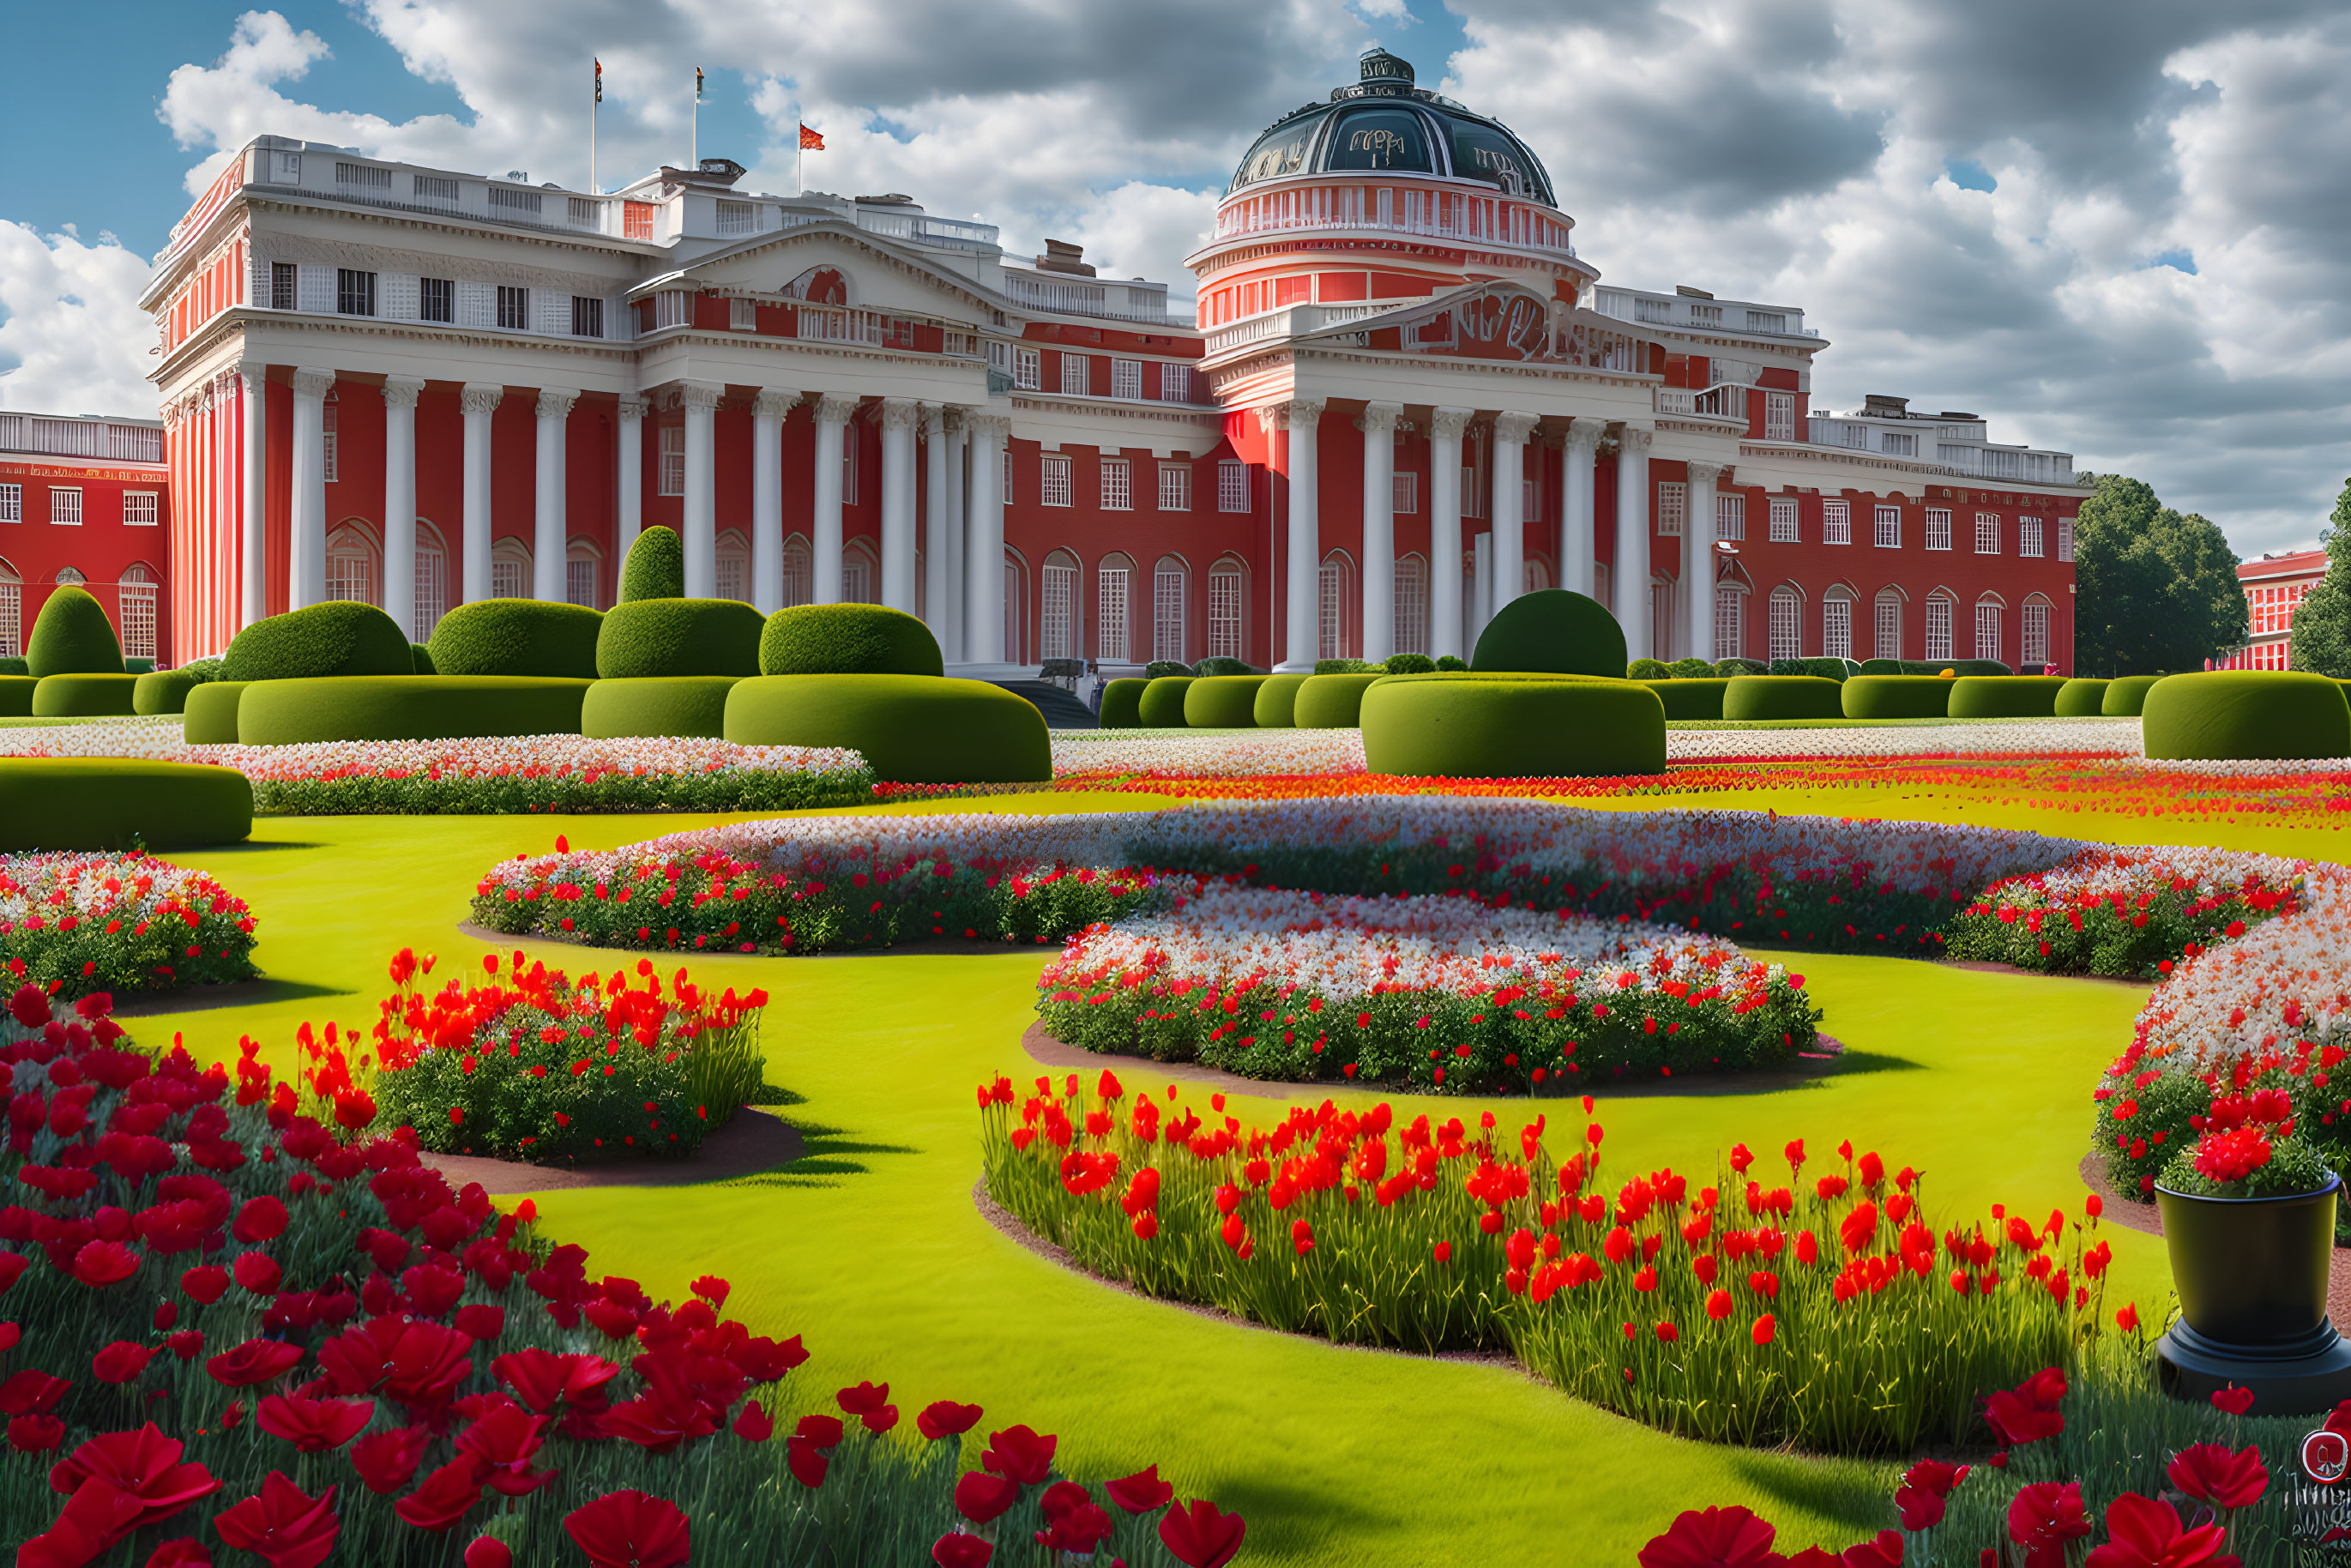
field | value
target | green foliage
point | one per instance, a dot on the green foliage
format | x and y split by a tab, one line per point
657	704
847	640
1691	696
2126	696
407	707
514	637
1554	631
1223	702
14	664
1408	664
208	716
1448	664
1782	696
1478	725
1121	703
2005	697
137	666
2294	1168
16	695
656	567
1161	706
679	637
2157	589
340	637
202	670
1738	666
1830	669
1160	669
1221	665
911	730
112	803
1785	667
420	656
72	636
2222	714
1881	667
2321	621
1333	701
2082	697
1277	701
1689	669
1344	667
163	691
1896	696
1648	670
86	696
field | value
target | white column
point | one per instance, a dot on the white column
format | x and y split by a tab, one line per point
1303	559
253	505
1629	577
479	400
984	593
631	520
899	418
307	559
1509	547
1481	585
1576	557
699	516
549	545
832	416
1697	562
399	394
1445	428
951	605
767	413
1378	425
934	520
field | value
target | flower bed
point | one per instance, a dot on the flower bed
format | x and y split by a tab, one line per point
230	1330
119	923
1442	993
1826	1311
2123	912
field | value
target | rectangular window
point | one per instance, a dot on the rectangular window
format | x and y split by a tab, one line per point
12	503
1028	373
734	571
138	509
1117	485
436	188
672	308
514	203
330	441
1110	614
1836	629
436	298
1673	506
1766	321
1987	533
1224	614
1986	631
1787	627
2036	633
1331	638
135	603
1126	380
671	478
1074	375
1783	519
2029	538
587	316
1730	516
1056	632
1779	415
1729	622
506	579
1899	443
284	281
2064	538
354	292
742	316
362	177
738	217
514	306
12	620
1055	491
1836	522
1939	528
579	581
1889	528
1939	630
65	508
1406	487
1176	487
1232	486
1168	615
1176	383
1890	626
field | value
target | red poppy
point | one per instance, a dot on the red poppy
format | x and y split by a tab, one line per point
122	1362
36	1434
313	1426
418	1363
1719	1538
657	1422
387	1461
2046	1515
488	1552
711	1288
283	1524
31	1391
502	1441
142	1465
103	1263
2211	1473
1200	1536
870	1403
754	1425
541	1379
1142	1492
2028	1413
982	1497
262	1219
480	1322
179	1552
1924	1487
445	1497
945	1418
255	1361
2234	1400
629	1530
766	1360
2142	1532
1019	1455
94	1520
1885	1551
206	1283
956	1549
807	1462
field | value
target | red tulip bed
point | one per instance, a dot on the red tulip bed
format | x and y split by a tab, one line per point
2123	912
97	922
1828	1310
232	1333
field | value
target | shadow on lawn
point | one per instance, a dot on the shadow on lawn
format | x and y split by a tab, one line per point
1292	1521
831	1156
1853	1492
1805	1074
254	993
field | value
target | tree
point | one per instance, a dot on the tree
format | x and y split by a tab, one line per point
2155	589
2321	621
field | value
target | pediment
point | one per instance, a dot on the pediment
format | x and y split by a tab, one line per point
1492	319
835	264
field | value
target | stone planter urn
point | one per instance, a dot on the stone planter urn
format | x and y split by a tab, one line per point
2252	1273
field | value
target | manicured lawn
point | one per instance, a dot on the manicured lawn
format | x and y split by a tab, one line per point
871	1250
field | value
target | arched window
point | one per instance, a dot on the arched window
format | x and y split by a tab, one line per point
354	563
1016	604
71	574
799	568
12	612
584	573
135	612
432	582
1338	591
1170	603
1837	623
733	560
857	575
1987	638
1057	616
1729	619
1114	610
1939	604
1787	624
2036	631
509	570
1889	640
1661	617
1229	608
1411	604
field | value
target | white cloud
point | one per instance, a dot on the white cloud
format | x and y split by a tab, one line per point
72	337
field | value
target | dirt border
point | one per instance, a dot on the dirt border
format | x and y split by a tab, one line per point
1994	966
755	1140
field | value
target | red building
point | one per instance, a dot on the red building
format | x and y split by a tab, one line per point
85	501
2274	586
1403	399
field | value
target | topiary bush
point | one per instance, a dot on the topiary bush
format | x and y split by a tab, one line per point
679	637
1648	670
1408	664
1731	667
1896	696
16	695
1448	664
657	704
1782	696
1161	706
1829	669
163	691
209	715
1554	631
408	707
2224	715
1502	725
1881	667
847	640
420	657
2005	697
1221	665
112	802
1785	667
86	696
2082	698
1331	702
1346	667
911	729
1121	703
1691	696
515	637
72	636
1159	669
1276	707
340	637
1690	670
1222	702
2126	696
14	664
656	567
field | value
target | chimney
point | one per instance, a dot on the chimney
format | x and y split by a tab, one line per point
1060	256
1877	405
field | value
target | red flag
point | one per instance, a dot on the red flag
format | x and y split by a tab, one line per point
811	140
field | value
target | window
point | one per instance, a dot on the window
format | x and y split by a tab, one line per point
1411	605
283	278
1232	486
330	450
585	213
432	582
1055	490
351	561
11	618
731	566
1706	314
742	315
1987	533
1056	628
587	316
1174	486
1987	629
1783	519
1127	378
134	601
1673	505
1779	414
1027	373
354	292
12	503
1167	596
671	478
2028	538
1938	629
672	308
738	217
1225	590
2064	538
1729	621
579	579
1899	443
799	571
520	203
138	509
1405	488
436	299
1110	585
1074	375
1117	485
435	188
1889	528
857	579
1787	625
1331	639
1176	383
1939	528
1730	516
2036	631
1766	321
1836	627
1889	623
514	304
509	571
65	508
289	168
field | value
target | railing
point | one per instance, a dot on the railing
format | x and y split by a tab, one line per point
81	438
1466	216
1087	299
1731	317
1291	321
1714	402
925	229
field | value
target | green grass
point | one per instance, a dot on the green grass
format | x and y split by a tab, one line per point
871	1250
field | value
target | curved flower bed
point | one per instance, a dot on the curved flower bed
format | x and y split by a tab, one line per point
1442	993
83	922
2123	912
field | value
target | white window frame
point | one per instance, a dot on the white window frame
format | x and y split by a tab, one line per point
1331	616
1404	501
1228	594
1232	486
1028	370
1836	522
513	308
1174	486
2029	538
1117	485
578	579
2064	538
1836	627
1175	384
11	618
1126	380
742	315
1939	630
1053	489
140	510
1076	374
1779	414
1410	622
1784	638
1729	621
1114	599
1057	613
669	461
1988	618
1168	597
1987	533
1885	626
65	506
2035	648
1939	528
587	316
1889	528
12	503
1673	507
1730	516
134	606
1784	516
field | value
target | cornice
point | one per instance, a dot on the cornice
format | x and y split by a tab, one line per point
1934	473
1161	414
233	320
1295	352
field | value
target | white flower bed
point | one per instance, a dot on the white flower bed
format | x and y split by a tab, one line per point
1223	754
2105	737
2285	980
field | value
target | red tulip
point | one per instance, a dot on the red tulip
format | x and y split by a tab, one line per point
629	1530
36	1434
945	1418
2046	1515
283	1524
387	1461
2143	1532
206	1283
1019	1456
1200	1536
488	1552
445	1497
122	1362
181	1552
1142	1492
262	1219
103	1263
2234	1400
1719	1538
981	1497
31	1391
313	1426
1765	1327
255	1361
2211	1473
956	1549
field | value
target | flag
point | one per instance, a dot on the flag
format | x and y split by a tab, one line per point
811	140
599	81
697	84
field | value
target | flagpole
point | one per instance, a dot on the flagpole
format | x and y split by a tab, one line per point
693	142
595	107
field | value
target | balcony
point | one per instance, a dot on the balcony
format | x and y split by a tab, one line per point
1447	214
1725	401
1145	303
1293	321
108	440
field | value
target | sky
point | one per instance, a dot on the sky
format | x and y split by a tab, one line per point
2119	229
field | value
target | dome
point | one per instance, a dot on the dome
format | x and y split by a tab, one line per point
1384	122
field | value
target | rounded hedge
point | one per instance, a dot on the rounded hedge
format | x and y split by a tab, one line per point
2220	715
1121	703
1648	670
209	719
514	637
1276	707
2005	697
2126	696
1691	697
911	729
14	664
109	803
1897	696
1551	629
408	707
340	637
420	658
2080	697
847	640
1219	664
1162	703
655	567
16	696
1733	667
679	637
1881	667
657	704
1497	727
1223	702
72	636
1333	702
1783	696
165	690
86	696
